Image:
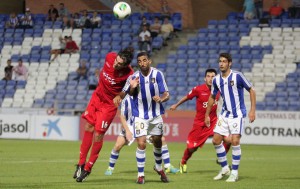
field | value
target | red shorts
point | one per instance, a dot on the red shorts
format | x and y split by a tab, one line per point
199	134
99	114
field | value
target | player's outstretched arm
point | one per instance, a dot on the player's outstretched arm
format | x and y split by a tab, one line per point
210	103
181	101
251	114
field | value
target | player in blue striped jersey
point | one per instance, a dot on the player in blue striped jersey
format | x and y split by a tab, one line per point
126	137
231	85
149	91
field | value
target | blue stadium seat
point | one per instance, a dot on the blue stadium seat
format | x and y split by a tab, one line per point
282	105
260	105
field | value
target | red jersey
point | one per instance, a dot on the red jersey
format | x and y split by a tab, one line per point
111	81
71	45
202	93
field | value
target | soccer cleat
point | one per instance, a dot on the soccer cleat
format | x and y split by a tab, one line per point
172	169
78	171
232	178
163	176
140	180
109	171
83	176
183	168
222	173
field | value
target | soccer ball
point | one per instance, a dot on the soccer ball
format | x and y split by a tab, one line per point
122	10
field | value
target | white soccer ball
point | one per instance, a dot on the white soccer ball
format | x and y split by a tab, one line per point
122	10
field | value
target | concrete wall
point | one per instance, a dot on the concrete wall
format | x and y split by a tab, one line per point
72	5
8	6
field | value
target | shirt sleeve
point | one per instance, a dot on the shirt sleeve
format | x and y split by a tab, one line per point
192	93
243	81
161	82
214	87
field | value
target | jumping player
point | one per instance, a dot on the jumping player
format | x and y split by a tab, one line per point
101	110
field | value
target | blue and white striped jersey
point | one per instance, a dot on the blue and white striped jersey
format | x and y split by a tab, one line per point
126	109
232	92
152	85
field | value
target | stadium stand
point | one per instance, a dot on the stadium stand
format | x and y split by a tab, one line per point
52	85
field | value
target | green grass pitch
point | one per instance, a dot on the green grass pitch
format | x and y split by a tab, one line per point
50	164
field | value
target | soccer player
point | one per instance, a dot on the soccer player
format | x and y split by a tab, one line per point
101	109
231	85
126	137
149	91
199	133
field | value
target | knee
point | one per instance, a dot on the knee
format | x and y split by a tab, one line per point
89	127
192	150
118	147
216	141
98	137
157	141
142	145
235	142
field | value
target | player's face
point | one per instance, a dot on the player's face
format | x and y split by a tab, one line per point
144	63
224	65
119	63
209	77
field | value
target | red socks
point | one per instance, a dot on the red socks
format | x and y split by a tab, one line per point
94	155
186	156
85	146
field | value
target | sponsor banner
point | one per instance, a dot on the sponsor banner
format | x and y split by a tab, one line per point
12	126
270	127
55	128
177	127
278	128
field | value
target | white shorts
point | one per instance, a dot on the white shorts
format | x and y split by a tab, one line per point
143	127
226	126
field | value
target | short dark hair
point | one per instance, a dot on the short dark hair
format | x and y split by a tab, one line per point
209	70
143	53
227	56
126	54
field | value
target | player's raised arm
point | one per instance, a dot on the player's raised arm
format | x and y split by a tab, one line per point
210	103
251	114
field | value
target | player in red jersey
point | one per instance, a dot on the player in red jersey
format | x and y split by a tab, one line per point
199	133
101	110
